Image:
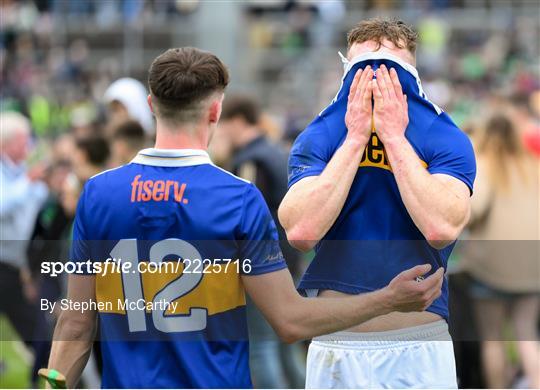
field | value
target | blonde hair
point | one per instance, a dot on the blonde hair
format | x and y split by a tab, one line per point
394	30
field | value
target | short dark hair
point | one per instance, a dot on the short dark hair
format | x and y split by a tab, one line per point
130	132
242	106
95	148
181	79
396	31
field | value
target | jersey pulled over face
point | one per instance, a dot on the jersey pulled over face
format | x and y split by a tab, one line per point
178	232
374	238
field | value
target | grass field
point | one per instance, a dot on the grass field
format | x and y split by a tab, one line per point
14	359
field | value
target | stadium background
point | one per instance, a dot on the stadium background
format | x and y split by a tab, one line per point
58	57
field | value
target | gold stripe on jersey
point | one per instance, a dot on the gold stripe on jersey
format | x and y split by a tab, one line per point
217	291
375	154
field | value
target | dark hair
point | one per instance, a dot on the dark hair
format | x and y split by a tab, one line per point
130	132
378	29
242	106
95	148
181	79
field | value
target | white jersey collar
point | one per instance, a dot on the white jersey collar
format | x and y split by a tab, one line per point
377	55
172	157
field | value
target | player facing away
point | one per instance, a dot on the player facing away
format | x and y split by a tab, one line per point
172	203
380	181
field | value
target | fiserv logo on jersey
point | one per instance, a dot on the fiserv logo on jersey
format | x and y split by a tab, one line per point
157	190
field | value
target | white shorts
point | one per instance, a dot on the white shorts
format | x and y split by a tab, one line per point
418	357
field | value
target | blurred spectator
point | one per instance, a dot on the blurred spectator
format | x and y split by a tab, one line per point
257	158
433	37
524	116
502	254
63	147
270	128
90	157
22	194
52	231
264	163
71	190
126	141
126	98
50	241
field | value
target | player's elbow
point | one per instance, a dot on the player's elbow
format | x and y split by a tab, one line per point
302	238
443	232
289	332
442	235
300	233
288	324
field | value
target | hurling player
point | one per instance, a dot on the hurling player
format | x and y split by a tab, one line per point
379	182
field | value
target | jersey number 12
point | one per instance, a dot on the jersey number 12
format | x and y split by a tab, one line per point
195	320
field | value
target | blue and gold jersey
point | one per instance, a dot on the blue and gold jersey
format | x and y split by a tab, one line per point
374	238
182	326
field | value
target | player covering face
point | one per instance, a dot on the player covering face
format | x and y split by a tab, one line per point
379	182
171	201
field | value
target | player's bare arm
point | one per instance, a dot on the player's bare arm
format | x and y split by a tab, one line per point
75	331
307	222
294	317
438	204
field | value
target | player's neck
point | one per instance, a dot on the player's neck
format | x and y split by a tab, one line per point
182	137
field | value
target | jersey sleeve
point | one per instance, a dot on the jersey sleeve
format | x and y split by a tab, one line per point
310	152
450	152
258	237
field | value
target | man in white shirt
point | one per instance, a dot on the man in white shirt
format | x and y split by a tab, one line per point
21	196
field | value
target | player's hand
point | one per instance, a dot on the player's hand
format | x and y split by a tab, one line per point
410	292
390	112
359	111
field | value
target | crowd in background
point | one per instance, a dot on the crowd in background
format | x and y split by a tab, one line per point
66	118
